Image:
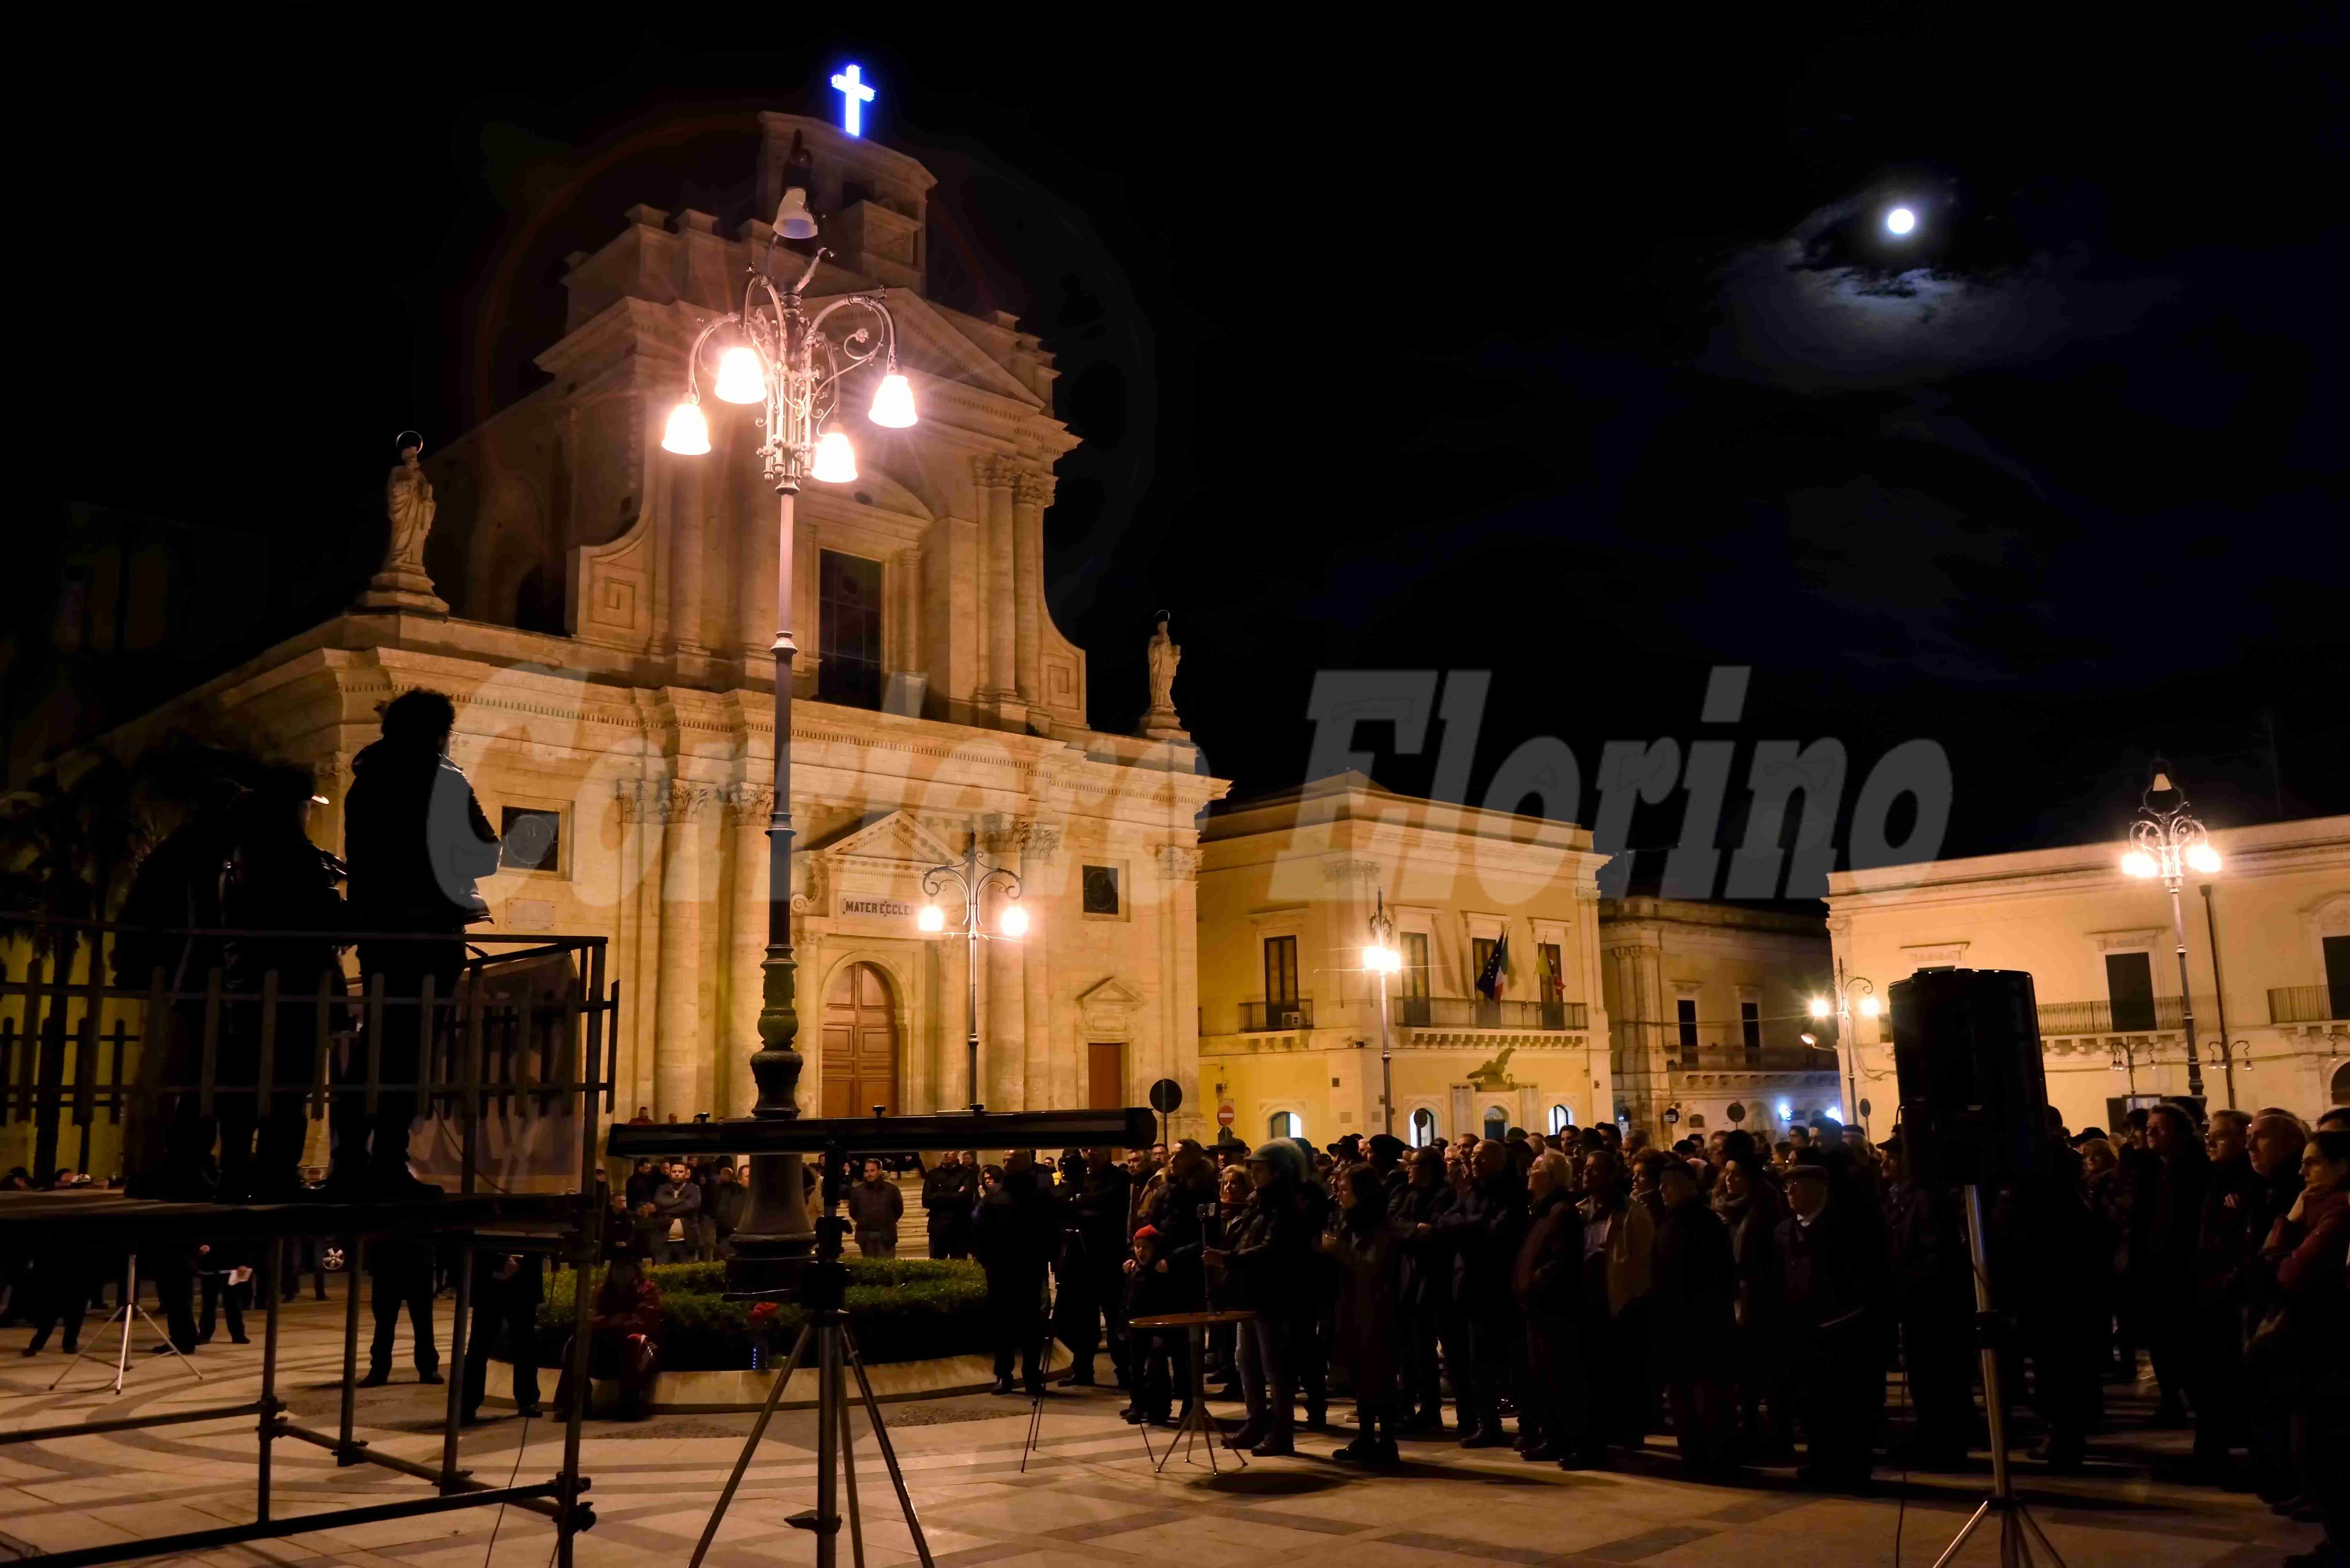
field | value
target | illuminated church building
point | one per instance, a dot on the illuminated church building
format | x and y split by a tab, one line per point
610	609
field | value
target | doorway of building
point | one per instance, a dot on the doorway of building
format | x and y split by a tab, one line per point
1105	1075
860	1043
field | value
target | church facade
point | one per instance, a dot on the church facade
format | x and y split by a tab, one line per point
609	612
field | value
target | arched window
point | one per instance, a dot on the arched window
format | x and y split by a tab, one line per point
1560	1119
1285	1124
1497	1121
1423	1127
2342	1085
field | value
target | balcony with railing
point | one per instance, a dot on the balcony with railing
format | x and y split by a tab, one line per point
2309	1004
1764	1045
1265	1017
1476	1012
2147	1016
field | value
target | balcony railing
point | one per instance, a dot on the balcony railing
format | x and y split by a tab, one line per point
2308	1004
1770	1044
1476	1012
1261	1017
2063	1018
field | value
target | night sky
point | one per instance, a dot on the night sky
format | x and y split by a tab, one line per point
1581	356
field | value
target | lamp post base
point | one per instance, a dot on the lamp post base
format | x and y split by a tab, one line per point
775	1239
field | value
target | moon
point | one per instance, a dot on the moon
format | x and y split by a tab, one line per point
1901	220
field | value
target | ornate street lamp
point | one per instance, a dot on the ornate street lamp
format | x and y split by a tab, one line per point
1381	959
1847	989
784	360
2165	842
1011	925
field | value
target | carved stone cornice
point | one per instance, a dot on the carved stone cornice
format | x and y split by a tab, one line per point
1338	873
1178	862
663	801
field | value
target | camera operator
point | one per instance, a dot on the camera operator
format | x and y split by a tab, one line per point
1015	1237
1093	1264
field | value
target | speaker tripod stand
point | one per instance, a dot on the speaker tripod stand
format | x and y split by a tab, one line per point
820	1291
122	1354
2017	1528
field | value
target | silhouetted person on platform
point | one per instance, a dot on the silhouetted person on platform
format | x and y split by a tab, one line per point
274	879
416	841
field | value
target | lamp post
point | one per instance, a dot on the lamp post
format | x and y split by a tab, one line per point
1848	1049
1012	923
1382	959
2166	842
784	361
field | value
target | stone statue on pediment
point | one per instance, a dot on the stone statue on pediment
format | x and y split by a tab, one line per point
402	584
1160	722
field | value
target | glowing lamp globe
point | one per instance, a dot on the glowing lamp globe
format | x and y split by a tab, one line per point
1381	960
1014	921
2138	863
1819	1007
687	433
1870	1007
835	460
1900	221
893	405
1809	1038
2203	858
739	378
930	918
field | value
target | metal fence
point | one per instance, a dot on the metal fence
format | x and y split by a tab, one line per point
1260	1017
1476	1012
525	1036
2064	1018
2308	1004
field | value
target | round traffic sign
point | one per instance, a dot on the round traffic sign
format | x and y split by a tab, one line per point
1223	1116
1165	1097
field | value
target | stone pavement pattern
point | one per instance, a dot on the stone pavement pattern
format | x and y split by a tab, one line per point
1088	1497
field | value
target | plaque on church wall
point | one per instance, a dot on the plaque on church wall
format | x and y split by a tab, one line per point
877	908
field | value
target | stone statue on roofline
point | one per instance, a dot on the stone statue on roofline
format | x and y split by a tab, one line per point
1160	722
402	584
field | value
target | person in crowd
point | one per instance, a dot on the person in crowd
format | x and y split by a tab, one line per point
1270	1260
2107	1188
1934	1304
2166	1213
2225	1248
1553	1419
1225	1290
643	1181
623	1339
1751	1207
274	879
218	1264
949	1190
2299	1349
1097	1220
60	1289
1014	1238
403	1271
1611	1326
1147	1291
1836	1285
1691	1295
875	1207
677	1206
723	1207
1425	1295
1369	1338
1481	1231
507	1289
416	842
1178	1212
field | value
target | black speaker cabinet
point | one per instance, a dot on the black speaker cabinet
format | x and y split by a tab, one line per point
1974	1095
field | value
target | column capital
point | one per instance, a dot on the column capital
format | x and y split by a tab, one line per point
993	471
1032	487
1178	862
1001	834
663	801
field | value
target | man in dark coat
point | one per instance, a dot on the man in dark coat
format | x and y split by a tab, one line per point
1426	1294
1933	1298
2166	1218
2225	1247
875	1207
507	1288
1483	1230
416	842
1692	1287
949	1190
1836	1285
1093	1265
402	1268
1015	1237
274	879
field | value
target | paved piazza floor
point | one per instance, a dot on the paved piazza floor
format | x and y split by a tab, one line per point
1088	1497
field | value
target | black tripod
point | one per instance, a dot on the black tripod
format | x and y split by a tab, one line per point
2017	1528
821	1285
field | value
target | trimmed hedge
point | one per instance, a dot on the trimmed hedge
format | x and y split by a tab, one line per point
900	1309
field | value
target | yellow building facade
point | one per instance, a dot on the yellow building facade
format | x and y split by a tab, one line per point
1291	1037
2102	953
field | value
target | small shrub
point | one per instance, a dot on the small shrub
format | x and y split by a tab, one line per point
899	1309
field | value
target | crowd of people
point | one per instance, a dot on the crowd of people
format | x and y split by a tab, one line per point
1564	1295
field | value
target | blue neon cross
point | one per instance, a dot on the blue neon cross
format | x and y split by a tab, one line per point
855	95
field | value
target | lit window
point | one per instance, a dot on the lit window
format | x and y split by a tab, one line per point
1560	1119
1423	1127
1285	1124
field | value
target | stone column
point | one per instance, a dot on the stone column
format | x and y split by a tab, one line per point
681	1054
996	477
748	806
1016	1036
1031	493
1179	985
644	816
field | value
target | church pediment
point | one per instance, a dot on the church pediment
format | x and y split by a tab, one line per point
1109	1007
929	342
894	837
